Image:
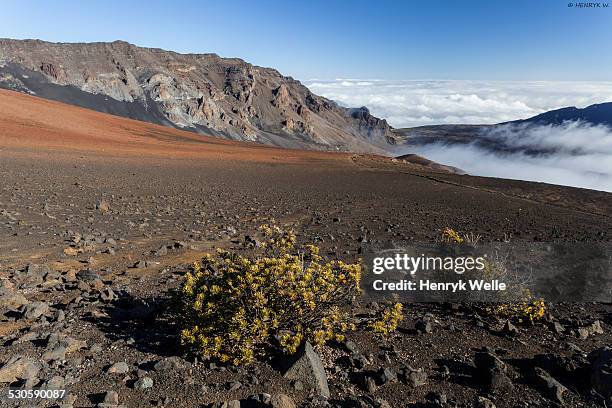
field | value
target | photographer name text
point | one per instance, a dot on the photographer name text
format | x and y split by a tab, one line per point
428	285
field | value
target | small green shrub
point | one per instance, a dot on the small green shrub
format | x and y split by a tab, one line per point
235	306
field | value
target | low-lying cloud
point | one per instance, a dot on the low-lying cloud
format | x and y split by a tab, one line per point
415	103
573	154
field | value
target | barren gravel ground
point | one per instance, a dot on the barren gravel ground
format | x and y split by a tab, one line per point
173	196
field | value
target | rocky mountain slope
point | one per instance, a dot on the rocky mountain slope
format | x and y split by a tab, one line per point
598	114
225	97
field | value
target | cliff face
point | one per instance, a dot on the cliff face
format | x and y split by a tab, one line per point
225	97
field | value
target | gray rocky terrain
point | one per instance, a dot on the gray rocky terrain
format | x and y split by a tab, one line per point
225	97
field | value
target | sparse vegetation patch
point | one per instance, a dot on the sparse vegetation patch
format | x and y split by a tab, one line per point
236	306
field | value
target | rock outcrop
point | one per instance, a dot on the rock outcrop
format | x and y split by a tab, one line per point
225	97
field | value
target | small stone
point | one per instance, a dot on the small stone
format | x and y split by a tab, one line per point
68	401
308	368
487	361
439	398
424	326
70	251
359	361
509	329
484	402
55	383
29	336
558	327
107	295
417	378
140	265
143	383
118	368
87	275
11	300
498	381
351	347
282	401
69	343
370	385
18	368
56	353
381	403
492	372
34	310
111	397
169	363
111	400
96	348
103	206
161	251
59	316
234	385
595	328
583	332
386	375
551	388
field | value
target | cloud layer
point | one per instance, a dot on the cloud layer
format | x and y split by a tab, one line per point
416	103
577	154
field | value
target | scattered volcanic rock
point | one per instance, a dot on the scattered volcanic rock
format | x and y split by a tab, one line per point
601	371
282	401
491	372
18	368
143	383
118	368
11	300
34	310
550	387
308	368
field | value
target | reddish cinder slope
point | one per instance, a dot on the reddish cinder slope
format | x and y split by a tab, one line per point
28	123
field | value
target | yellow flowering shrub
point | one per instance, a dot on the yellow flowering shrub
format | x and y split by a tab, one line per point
521	305
236	306
451	236
389	320
528	309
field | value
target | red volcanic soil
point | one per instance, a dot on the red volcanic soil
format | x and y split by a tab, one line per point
29	122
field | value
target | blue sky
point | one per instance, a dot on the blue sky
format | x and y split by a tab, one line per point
443	39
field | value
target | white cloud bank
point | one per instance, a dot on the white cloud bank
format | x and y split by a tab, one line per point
575	154
416	103
579	155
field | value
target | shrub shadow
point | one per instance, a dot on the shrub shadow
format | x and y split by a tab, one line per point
147	324
460	373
